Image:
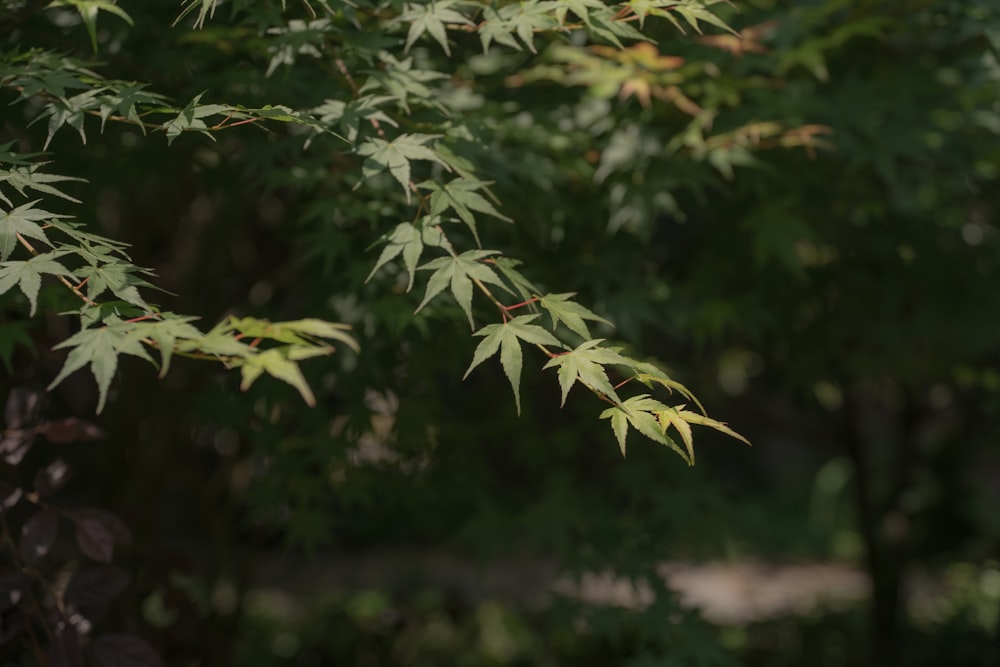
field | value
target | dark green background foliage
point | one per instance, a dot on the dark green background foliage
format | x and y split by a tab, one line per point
794	215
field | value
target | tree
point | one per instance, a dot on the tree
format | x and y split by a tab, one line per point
398	208
403	124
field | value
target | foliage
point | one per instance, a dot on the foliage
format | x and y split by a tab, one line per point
456	184
424	139
394	95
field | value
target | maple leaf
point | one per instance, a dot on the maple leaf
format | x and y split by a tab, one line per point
191	118
586	364
522	19
672	417
431	18
401	81
396	155
100	347
93	248
695	12
605	23
118	277
206	9
721	427
561	309
50	74
166	332
24	177
71	111
498	28
507	338
461	196
297	333
458	272
651	374
22	220
278	363
408	240
508	269
350	114
582	8
639	412
123	100
27	275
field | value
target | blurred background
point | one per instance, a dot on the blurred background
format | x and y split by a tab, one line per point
838	305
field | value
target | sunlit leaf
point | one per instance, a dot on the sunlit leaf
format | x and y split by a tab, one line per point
458	273
506	337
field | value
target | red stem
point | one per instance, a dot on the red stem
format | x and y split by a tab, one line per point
519	305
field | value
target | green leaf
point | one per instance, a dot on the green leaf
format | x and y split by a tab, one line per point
522	19
639	413
695	418
92	247
431	18
406	240
604	24
506	337
118	277
582	8
562	309
100	347
461	196
52	75
498	28
458	272
276	363
671	417
349	115
396	156
23	179
650	374
402	83
219	341
71	111
585	364
693	13
165	333
206	9
191	118
619	424
27	275
507	268
122	103
22	220
298	333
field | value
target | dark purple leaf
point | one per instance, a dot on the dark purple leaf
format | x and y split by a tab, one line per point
71	429
94	540
22	406
96	585
64	649
125	651
114	525
10	495
15	445
13	587
38	534
52	477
